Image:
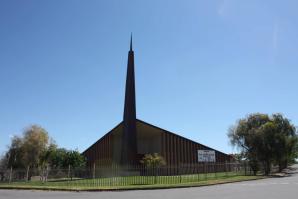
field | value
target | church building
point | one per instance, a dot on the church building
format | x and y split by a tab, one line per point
132	138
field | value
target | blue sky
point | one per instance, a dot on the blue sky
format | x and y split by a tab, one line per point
200	65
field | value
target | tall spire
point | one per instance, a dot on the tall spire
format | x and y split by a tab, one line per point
130	96
129	138
131	42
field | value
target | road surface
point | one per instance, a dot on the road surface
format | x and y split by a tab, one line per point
272	188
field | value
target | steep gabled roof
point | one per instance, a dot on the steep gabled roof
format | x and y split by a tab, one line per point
103	136
179	136
153	126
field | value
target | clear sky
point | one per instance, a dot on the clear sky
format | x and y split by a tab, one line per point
200	65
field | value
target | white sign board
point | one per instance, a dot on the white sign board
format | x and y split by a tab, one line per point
206	156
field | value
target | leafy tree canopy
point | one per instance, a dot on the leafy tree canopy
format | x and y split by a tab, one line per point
153	160
36	149
265	139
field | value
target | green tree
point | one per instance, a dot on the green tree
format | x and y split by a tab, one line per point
57	158
15	153
45	161
29	150
35	143
153	160
266	140
266	145
35	149
74	159
246	136
61	158
286	141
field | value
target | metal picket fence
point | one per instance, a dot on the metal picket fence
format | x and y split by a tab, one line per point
117	176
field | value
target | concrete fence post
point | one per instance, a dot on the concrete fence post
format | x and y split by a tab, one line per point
94	167
68	173
27	173
10	175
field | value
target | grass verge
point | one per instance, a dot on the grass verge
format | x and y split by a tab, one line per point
66	186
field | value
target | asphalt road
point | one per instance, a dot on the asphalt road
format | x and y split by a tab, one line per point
272	188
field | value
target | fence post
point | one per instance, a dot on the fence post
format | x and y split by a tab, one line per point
215	170
226	172
93	175
205	171
68	172
110	177
27	173
198	170
179	172
47	173
10	175
155	174
245	172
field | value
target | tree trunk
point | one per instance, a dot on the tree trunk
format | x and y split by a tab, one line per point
254	167
282	165
267	167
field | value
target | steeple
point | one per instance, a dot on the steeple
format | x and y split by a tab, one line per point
131	42
129	141
130	96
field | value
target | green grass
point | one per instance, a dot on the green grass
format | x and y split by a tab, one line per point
132	182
